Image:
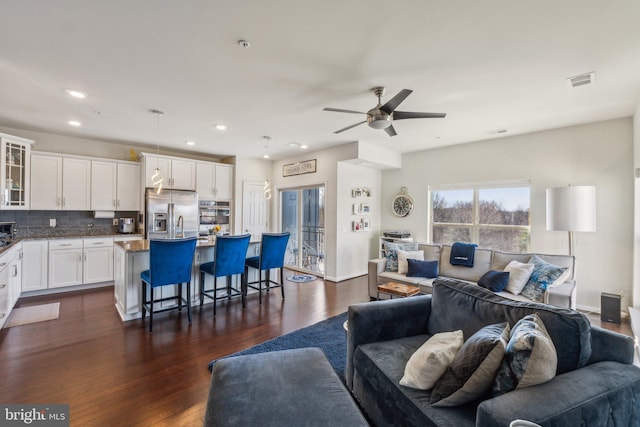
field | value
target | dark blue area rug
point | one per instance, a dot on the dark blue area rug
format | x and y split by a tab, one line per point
328	335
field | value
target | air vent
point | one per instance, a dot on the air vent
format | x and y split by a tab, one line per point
581	80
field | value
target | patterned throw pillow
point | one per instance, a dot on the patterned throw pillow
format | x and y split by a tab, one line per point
431	360
390	251
473	369
530	359
543	276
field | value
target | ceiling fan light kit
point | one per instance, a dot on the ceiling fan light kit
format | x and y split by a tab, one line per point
382	116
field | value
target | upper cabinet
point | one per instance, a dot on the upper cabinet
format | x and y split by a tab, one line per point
214	181
60	182
14	164
179	174
115	186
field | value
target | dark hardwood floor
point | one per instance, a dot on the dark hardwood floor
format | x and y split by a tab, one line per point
115	373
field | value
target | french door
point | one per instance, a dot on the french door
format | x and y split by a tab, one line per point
302	214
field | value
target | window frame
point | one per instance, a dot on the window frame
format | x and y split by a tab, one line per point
475	225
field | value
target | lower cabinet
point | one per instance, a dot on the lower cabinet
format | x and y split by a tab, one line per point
5	306
10	278
35	265
97	260
65	262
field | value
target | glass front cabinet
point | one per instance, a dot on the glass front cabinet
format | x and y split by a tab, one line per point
14	164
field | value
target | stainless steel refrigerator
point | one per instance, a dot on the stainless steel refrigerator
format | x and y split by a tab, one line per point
171	214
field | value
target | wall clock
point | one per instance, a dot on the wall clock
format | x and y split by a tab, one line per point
402	203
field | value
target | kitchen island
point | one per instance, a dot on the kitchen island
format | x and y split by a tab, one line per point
130	258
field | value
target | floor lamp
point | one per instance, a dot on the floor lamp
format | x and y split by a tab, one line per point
571	209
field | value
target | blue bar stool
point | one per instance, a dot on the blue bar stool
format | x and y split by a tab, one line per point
272	250
170	263
229	255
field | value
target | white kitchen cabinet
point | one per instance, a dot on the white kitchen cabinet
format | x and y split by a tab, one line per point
46	182
15	273
97	260
60	182
214	181
15	161
65	262
128	187
177	173
5	306
115	186
76	184
35	265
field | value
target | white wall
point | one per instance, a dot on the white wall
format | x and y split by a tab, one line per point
327	175
597	154
63	144
636	221
356	248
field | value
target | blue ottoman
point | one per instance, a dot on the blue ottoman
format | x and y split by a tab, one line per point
290	387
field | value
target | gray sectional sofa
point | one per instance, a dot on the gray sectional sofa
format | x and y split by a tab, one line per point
595	383
563	295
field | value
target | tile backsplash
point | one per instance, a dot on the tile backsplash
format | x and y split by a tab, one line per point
30	223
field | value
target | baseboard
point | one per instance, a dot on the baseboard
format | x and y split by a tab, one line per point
50	291
623	314
343	278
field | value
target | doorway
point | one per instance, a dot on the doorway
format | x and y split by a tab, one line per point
302	214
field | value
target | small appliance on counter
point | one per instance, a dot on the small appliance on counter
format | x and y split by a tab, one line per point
126	225
7	233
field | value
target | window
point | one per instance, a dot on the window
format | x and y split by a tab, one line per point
493	216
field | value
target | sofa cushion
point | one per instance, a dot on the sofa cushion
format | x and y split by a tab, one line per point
476	307
403	256
530	359
379	366
543	276
431	251
391	253
426	269
389	276
493	280
519	274
481	264
501	259
473	369
431	360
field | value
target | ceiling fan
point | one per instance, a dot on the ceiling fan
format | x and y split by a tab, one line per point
382	116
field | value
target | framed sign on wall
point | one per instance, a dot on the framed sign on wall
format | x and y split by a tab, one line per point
299	168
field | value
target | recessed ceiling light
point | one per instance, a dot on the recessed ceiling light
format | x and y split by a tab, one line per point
190	143
76	93
293	144
265	156
74	123
304	147
221	127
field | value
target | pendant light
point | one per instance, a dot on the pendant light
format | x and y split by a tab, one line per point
266	146
267	189
156	178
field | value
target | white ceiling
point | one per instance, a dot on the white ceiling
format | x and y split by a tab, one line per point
491	64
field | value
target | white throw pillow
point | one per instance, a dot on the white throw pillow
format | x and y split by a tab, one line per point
403	256
519	274
431	360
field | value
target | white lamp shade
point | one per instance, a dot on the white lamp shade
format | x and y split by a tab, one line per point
571	208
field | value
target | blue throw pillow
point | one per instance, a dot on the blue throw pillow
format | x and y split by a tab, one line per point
417	268
462	254
543	276
495	281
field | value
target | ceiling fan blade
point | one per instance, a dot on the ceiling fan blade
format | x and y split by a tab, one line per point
399	115
338	110
393	103
349	127
390	130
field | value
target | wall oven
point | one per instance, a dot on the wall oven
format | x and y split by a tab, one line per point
212	213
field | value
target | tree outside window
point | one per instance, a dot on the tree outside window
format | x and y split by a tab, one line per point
493	217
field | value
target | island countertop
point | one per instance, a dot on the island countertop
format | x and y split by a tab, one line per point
142	245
